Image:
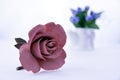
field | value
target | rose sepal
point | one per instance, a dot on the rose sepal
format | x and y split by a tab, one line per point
19	42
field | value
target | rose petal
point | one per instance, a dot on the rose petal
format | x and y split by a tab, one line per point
51	64
57	32
43	48
34	31
27	60
52	45
55	54
50	30
47	53
35	48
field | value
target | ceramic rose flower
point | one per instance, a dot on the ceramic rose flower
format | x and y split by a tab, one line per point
44	48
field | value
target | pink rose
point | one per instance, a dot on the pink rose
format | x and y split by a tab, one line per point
44	48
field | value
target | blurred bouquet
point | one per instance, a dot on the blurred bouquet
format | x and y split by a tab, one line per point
82	18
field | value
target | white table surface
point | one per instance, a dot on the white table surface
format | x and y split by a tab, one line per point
103	63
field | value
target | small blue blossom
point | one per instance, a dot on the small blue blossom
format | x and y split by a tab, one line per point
89	18
87	8
74	19
95	15
74	12
79	9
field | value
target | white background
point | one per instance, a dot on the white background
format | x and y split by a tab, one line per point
17	17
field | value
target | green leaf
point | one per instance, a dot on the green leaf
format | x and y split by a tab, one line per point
81	16
94	26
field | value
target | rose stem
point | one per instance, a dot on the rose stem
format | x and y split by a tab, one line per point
19	68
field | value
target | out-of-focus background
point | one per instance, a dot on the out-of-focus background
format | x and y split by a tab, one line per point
17	17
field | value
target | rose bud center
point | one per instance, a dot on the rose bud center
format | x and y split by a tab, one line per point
51	44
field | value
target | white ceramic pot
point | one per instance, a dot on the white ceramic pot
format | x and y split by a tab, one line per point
82	38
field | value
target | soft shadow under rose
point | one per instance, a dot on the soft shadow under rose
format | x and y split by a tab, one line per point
44	48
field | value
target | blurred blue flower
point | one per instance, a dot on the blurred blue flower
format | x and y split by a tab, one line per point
89	18
74	12
74	19
87	8
79	10
94	15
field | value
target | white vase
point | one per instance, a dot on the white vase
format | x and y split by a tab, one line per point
82	38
